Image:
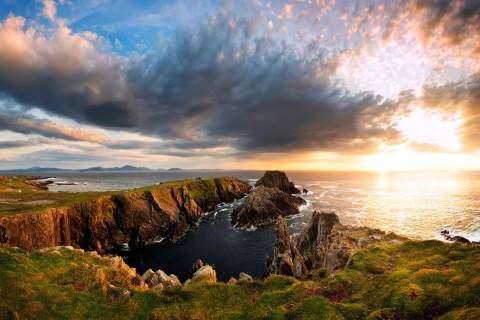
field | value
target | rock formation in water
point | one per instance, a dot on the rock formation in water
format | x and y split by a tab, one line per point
136	217
324	243
263	205
446	234
277	179
286	259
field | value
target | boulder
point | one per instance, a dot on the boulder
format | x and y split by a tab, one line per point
277	179
160	279
196	266
304	191
263	205
232	280
286	259
244	277
205	273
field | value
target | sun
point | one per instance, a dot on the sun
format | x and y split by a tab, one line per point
422	130
435	128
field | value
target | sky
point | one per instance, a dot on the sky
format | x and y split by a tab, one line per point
247	84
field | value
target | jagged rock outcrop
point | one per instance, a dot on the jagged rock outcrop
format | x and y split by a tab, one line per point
277	179
160	279
263	205
205	273
324	243
286	259
135	217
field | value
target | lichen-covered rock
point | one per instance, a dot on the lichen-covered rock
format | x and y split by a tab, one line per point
263	205
286	259
279	180
205	273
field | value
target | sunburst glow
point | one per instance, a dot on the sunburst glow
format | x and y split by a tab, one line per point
433	128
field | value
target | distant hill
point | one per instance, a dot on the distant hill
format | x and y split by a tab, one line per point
126	168
37	170
117	169
175	169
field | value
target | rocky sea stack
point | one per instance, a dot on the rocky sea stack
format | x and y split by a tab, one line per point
277	179
263	205
324	244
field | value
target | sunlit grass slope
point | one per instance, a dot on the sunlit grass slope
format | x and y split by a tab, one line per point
414	280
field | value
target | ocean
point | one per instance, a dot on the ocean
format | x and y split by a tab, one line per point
414	204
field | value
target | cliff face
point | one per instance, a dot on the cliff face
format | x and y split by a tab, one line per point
323	243
136	217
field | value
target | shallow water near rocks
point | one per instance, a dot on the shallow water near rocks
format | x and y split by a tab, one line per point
413	204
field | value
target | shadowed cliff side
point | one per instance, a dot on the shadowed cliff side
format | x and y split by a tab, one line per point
323	244
137	217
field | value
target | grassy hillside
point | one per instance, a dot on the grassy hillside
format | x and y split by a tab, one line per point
415	280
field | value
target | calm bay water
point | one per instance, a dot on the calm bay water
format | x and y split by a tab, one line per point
417	205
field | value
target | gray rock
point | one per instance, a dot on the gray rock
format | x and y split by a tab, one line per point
286	259
263	205
243	277
279	180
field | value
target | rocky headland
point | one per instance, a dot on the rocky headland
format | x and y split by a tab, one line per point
102	222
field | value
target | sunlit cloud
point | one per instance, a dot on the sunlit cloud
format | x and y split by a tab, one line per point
296	83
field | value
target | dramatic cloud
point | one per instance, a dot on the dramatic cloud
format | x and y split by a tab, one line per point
221	82
232	84
63	73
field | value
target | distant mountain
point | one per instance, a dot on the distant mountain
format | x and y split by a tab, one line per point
126	168
175	169
117	169
37	170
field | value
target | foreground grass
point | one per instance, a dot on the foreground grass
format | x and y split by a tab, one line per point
415	280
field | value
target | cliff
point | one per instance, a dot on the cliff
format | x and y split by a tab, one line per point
108	220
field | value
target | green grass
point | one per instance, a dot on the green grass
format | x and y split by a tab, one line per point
415	280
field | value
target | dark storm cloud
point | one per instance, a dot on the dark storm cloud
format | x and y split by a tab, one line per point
220	84
223	82
29	125
458	18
